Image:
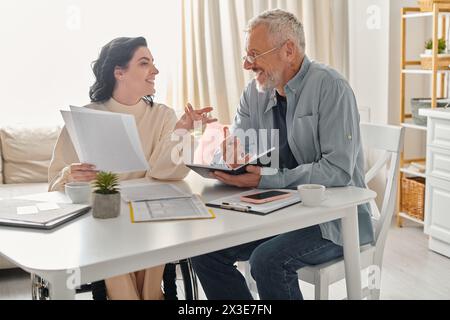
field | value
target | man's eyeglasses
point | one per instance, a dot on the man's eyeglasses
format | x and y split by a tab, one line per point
252	59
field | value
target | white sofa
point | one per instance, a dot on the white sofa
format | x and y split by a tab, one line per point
25	154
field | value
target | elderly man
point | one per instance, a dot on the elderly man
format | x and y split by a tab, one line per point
315	111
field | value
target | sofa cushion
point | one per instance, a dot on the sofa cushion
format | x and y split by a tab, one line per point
16	190
26	152
1	165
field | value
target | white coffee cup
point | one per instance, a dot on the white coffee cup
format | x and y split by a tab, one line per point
79	192
312	195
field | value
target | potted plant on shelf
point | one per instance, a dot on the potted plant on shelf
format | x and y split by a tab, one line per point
427	5
443	61
106	196
442	46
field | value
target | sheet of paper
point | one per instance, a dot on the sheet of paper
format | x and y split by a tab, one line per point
108	140
27	210
45	206
67	117
151	191
173	209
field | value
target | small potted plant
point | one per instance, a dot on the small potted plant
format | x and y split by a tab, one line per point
443	59
442	46
106	196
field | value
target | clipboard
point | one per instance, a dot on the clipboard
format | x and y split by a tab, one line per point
233	202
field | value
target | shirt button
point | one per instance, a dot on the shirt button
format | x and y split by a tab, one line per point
349	137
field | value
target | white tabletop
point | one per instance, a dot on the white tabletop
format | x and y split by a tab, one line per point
91	244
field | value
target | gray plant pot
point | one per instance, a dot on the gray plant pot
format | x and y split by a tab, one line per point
106	206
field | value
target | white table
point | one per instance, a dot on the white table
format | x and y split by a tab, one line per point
93	249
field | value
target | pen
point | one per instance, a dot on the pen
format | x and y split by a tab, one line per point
235	206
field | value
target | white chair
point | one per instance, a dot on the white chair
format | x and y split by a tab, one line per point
388	139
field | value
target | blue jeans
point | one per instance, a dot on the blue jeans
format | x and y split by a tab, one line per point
274	263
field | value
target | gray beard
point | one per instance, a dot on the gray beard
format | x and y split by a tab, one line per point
269	85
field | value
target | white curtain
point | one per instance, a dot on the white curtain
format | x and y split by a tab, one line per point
208	70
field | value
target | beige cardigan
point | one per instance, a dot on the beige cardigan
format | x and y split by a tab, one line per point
155	126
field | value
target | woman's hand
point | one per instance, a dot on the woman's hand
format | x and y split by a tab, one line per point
82	172
192	118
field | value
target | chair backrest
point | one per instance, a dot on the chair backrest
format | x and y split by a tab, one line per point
389	140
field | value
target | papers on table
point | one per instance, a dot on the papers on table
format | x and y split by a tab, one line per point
170	209
151	191
109	140
156	201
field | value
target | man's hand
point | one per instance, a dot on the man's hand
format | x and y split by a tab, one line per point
247	180
232	151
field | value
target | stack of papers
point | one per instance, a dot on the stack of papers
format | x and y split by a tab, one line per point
109	140
169	209
151	191
157	202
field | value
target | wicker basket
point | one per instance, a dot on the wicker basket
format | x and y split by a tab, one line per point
443	61
427	5
413	197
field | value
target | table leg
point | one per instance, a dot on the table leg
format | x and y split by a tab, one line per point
59	289
350	237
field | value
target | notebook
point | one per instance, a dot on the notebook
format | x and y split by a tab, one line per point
206	170
38	214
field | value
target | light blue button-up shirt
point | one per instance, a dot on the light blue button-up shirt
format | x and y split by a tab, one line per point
322	123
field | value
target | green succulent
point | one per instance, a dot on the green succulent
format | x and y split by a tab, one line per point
442	45
106	183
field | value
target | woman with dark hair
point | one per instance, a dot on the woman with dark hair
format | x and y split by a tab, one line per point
125	83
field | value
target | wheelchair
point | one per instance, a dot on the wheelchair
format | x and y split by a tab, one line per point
39	287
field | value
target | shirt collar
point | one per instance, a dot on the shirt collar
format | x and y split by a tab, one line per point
293	85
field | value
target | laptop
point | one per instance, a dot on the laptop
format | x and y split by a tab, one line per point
38	214
206	170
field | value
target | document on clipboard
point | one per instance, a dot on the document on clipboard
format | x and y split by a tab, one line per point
169	209
234	202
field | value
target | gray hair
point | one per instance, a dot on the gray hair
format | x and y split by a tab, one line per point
282	26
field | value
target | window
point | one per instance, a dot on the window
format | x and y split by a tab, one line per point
48	46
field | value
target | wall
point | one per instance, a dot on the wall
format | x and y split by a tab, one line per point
375	66
369	56
48	46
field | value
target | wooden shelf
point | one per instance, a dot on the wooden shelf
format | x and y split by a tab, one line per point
423	71
439	16
444	12
413	173
408	217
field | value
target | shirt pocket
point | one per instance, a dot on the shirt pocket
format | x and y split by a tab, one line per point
306	137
